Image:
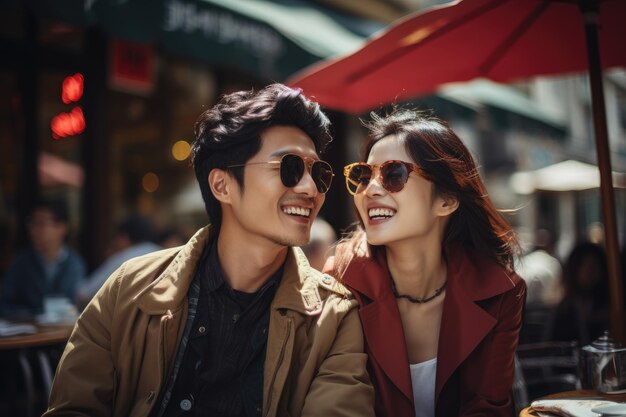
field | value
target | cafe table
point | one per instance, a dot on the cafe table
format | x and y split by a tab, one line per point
44	336
576	394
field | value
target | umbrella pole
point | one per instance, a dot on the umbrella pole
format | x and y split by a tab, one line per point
589	9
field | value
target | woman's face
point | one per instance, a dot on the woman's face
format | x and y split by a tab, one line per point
412	213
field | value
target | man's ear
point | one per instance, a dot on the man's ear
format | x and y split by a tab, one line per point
220	183
446	205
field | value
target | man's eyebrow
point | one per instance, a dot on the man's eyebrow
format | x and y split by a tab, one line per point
283	152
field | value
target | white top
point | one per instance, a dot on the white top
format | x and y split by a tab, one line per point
423	376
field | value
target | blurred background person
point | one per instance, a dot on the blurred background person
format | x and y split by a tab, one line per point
48	267
133	237
170	237
583	314
320	242
542	272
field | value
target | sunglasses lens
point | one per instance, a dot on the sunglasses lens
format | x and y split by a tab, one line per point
291	170
322	174
394	176
358	177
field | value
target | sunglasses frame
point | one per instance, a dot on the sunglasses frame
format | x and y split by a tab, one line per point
308	166
373	168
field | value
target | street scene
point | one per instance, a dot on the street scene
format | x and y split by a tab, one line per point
313	207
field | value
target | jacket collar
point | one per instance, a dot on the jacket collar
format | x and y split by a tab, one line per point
464	324
169	290
471	278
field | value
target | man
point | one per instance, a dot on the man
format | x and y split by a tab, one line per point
132	238
48	267
236	323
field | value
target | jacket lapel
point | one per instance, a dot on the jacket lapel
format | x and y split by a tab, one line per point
464	323
295	294
382	326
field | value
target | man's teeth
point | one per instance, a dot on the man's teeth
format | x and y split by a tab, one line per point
298	211
381	212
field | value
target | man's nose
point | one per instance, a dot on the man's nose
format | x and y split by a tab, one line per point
306	185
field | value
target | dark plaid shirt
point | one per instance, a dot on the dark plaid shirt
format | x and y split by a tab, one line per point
221	371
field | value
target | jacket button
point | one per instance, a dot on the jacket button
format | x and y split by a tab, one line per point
186	404
202	329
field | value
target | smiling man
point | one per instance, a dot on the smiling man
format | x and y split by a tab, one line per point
236	322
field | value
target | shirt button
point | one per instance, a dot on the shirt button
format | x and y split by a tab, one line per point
186	404
202	329
235	317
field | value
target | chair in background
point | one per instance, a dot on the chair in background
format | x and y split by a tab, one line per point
547	367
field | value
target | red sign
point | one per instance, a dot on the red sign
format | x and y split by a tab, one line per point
132	67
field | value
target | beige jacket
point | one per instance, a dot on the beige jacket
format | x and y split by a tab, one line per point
123	345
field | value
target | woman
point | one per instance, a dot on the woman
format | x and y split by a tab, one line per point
432	268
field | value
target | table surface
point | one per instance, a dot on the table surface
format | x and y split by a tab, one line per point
46	335
576	394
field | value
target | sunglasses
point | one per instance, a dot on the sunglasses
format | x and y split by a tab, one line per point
292	170
393	175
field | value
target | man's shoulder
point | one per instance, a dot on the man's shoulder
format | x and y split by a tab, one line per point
326	290
136	273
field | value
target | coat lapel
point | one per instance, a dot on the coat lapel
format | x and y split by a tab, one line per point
464	323
382	326
296	297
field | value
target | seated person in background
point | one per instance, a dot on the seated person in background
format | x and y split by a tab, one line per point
322	238
47	267
171	238
542	272
583	314
133	238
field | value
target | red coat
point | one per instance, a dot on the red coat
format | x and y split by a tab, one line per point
482	315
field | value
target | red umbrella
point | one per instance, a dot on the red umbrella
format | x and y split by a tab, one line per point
503	40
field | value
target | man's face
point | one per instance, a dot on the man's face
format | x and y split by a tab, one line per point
266	210
46	233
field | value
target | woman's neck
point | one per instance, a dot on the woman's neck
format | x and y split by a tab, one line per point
417	270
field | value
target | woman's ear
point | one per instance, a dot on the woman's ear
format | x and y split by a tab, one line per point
220	184
446	205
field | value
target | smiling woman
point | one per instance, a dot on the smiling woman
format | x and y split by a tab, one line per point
433	261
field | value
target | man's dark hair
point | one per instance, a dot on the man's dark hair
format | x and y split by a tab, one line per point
229	133
56	206
137	228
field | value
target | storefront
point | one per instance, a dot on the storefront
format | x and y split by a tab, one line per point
122	144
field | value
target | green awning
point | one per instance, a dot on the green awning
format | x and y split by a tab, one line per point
499	96
269	39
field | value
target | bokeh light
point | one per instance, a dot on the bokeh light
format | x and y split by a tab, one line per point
180	150
150	182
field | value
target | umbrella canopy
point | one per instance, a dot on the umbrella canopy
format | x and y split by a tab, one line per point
503	40
563	176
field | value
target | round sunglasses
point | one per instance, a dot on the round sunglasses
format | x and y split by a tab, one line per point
292	170
393	175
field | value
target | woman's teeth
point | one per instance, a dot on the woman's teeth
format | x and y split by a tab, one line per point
380	213
298	211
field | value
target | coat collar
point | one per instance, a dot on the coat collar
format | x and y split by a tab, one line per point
169	290
471	278
464	324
